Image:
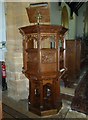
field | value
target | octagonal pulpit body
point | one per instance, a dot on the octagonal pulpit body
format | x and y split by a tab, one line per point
43	47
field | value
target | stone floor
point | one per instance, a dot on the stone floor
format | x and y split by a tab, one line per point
20	108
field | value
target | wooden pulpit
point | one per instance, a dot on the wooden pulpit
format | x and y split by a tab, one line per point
43	65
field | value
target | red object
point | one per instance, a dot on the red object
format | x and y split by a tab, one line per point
3	71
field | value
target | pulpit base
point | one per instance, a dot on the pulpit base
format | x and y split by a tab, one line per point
45	111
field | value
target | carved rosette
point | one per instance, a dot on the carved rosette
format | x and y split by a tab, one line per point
48	57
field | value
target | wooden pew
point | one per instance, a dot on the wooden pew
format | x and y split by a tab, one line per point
73	57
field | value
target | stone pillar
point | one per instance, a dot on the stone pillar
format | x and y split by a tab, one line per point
16	17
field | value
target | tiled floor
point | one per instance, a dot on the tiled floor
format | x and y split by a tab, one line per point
22	106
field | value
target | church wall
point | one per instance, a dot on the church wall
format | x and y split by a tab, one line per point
16	17
81	20
2	23
2	31
56	12
72	27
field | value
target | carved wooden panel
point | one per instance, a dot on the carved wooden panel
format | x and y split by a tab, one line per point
48	60
33	55
33	60
48	56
